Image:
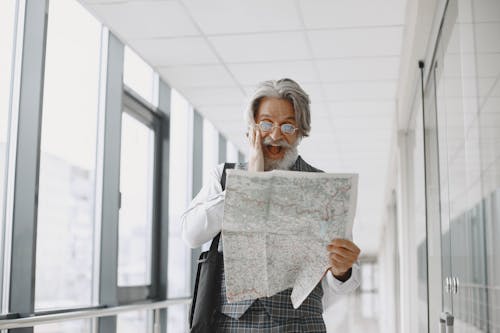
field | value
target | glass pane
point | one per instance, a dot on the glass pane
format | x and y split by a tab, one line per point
139	76
65	236
134	322
7	35
76	326
178	318
179	255
136	187
468	117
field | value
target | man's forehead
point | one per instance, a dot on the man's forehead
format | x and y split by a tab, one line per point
271	114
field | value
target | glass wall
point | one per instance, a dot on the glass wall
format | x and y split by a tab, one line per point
8	15
420	227
179	255
468	126
65	236
135	322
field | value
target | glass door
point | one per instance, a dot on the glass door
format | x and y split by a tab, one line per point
462	123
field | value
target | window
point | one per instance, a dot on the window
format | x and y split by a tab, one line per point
140	77
8	14
65	236
179	255
134	322
136	209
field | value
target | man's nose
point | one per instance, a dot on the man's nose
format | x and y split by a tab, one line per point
276	133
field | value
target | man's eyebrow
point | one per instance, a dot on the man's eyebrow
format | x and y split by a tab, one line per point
266	115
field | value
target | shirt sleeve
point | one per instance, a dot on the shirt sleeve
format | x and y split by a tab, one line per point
203	218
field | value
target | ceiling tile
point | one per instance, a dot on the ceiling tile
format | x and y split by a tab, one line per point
360	91
240	16
362	109
175	51
213	96
261	47
253	73
319	14
152	19
196	76
367	42
358	69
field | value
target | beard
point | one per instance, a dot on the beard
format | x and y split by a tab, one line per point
289	158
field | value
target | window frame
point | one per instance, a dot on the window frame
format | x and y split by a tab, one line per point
144	112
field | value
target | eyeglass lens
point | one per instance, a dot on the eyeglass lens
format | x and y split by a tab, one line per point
266	126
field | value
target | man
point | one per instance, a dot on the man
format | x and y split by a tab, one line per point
278	118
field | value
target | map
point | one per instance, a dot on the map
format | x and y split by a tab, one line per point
276	228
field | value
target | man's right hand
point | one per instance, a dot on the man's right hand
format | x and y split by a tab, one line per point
256	158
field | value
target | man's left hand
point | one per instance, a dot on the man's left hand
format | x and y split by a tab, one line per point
343	254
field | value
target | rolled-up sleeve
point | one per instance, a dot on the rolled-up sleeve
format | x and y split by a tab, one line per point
203	218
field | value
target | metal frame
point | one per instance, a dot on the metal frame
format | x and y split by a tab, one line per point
197	180
63	316
145	113
25	201
222	148
163	208
108	291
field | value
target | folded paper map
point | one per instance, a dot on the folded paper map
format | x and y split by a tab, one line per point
276	228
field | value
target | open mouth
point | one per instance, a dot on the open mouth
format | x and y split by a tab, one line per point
273	149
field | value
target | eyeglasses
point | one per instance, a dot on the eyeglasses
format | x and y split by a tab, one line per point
266	126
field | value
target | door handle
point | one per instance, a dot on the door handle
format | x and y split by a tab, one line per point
455	285
446	323
447	285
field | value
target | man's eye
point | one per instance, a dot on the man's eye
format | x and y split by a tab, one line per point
265	126
287	128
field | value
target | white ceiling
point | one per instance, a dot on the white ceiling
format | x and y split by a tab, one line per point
345	53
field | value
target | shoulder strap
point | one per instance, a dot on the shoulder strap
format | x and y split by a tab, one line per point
215	242
223	177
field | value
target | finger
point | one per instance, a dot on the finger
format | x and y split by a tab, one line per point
345	259
342	254
344	243
252	136
258	144
343	251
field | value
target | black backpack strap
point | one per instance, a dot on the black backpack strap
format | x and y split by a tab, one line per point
215	242
223	177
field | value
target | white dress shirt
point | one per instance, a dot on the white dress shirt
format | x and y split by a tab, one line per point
203	220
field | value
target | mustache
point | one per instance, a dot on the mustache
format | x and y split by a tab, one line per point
269	141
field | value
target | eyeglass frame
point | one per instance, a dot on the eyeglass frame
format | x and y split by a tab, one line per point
276	126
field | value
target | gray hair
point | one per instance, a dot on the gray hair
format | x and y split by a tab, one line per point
286	89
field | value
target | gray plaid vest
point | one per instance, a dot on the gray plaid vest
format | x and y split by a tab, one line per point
278	305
